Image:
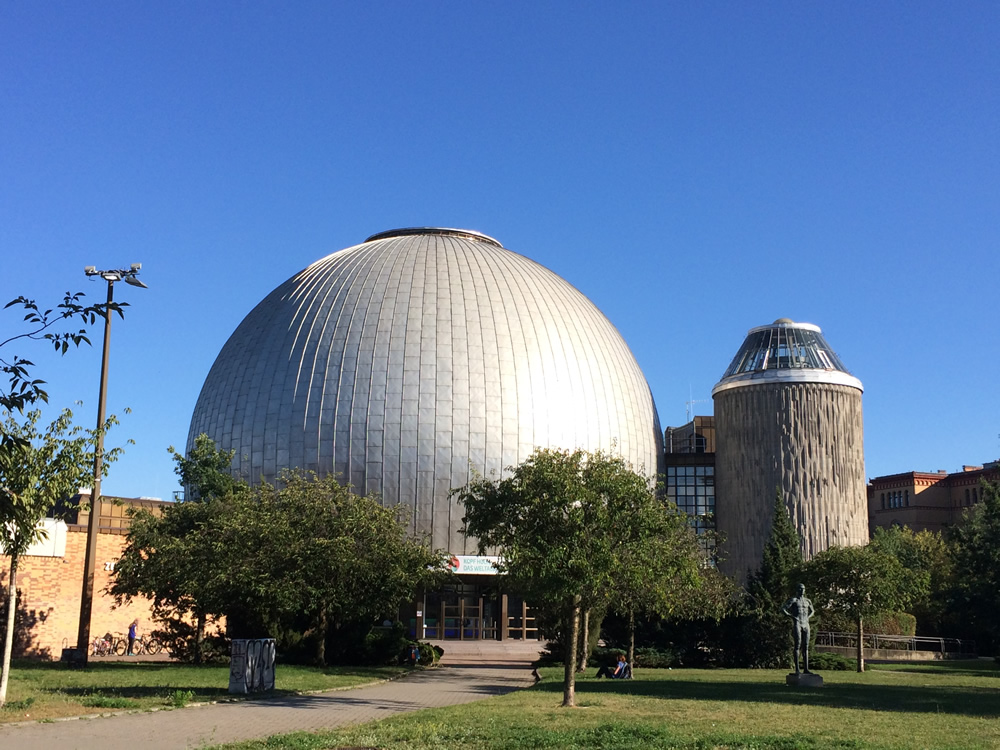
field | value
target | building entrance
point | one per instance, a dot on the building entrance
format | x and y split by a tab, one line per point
472	611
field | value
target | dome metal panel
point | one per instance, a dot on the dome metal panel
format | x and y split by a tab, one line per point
407	361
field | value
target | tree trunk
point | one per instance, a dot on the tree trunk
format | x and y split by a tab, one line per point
199	638
321	629
572	634
584	646
631	639
8	644
861	645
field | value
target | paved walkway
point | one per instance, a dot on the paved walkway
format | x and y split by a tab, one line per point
469	671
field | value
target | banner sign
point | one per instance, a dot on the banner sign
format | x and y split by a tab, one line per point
473	565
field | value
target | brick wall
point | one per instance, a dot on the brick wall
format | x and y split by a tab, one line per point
50	588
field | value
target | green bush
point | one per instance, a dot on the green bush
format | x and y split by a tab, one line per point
178	637
655	658
830	662
108	701
429	655
384	644
889	623
180	698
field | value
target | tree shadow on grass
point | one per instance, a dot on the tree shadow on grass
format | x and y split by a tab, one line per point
27	665
978	668
964	701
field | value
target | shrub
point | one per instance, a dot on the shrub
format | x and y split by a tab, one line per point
429	655
180	698
108	701
830	662
178	637
384	644
889	623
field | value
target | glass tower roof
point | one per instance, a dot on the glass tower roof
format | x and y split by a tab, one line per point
785	350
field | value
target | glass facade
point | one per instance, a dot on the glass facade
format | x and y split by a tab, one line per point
692	489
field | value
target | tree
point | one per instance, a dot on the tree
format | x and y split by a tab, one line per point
925	556
205	471
269	558
660	571
860	582
175	559
336	557
763	630
45	325
37	471
975	548
566	525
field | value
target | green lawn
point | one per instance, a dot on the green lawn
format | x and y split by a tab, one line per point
48	690
954	705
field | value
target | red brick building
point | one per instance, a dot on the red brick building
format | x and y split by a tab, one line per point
926	500
50	581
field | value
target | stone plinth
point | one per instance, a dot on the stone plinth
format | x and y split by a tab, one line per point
801	679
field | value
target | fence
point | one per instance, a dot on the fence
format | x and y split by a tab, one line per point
897	642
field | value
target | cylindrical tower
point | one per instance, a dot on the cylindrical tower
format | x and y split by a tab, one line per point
788	417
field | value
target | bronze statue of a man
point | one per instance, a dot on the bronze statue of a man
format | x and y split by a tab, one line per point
800	609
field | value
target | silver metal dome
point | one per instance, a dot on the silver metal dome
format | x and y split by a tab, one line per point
405	361
785	351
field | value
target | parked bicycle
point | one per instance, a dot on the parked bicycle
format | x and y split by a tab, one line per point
103	645
147	644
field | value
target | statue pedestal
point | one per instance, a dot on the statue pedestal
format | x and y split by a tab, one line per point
804	680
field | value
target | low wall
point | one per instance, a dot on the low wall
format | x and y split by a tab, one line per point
894	654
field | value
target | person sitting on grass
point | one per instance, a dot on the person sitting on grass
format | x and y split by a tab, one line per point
621	670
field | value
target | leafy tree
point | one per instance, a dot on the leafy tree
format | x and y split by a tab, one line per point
38	469
567	525
761	633
272	558
860	582
175	559
205	471
335	557
659	572
47	326
976	553
925	556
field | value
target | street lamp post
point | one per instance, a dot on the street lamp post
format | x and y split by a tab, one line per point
87	596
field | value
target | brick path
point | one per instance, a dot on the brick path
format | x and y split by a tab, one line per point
469	671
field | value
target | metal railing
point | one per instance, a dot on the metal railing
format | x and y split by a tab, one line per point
897	642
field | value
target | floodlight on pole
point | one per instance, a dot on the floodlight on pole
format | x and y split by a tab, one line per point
87	595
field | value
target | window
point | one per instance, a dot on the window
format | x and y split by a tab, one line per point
907	498
883	501
967	501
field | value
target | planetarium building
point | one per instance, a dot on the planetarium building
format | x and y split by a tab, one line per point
406	362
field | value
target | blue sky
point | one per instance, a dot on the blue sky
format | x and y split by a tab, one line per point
696	169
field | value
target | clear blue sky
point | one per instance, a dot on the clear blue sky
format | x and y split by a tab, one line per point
695	168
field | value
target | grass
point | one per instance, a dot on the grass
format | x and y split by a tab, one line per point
48	690
951	705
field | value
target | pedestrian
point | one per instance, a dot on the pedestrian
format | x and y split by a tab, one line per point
131	637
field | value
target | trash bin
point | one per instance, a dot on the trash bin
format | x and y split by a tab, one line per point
251	665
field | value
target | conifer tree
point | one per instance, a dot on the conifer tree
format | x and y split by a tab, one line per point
766	631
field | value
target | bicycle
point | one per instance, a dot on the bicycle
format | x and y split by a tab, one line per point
146	644
101	646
